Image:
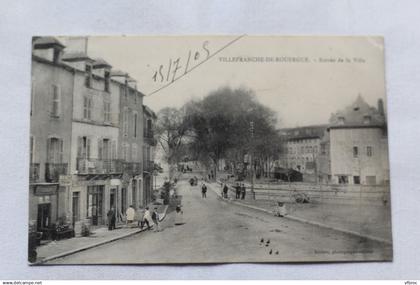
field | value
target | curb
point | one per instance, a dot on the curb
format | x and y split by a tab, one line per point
297	219
70	252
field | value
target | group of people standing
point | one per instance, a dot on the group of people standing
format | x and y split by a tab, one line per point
240	191
144	218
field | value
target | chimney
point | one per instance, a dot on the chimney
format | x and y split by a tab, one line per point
381	107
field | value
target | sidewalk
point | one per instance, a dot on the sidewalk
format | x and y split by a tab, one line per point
371	222
100	236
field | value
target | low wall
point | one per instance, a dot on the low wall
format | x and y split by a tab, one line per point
323	193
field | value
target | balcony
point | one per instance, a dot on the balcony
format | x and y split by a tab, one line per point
98	166
34	172
148	165
54	170
149	137
132	167
148	133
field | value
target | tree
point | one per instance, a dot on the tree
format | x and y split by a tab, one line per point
172	132
220	123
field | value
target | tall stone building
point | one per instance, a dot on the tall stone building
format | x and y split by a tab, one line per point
359	144
86	136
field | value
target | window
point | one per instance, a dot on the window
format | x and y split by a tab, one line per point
369	151
355	151
107	112
104	149
31	150
87	108
356	179
323	149
124	153
134	153
88	75
135	125
367	119
55	110
54	150
125	122
83	147
343	179
107	80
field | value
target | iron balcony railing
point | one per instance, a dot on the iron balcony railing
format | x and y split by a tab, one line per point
34	172
148	165
132	167
54	170
98	166
148	134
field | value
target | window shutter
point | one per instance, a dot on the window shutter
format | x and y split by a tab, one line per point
114	150
90	108
49	151
79	146
57	96
100	146
61	147
87	148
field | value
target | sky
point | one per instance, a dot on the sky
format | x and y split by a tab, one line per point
329	74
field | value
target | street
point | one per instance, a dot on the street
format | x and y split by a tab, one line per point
215	231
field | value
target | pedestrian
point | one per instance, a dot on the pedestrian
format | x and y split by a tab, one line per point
225	191
237	191
243	191
111	219
203	191
146	219
155	219
129	214
139	217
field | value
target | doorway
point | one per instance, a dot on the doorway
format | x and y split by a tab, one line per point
76	207
95	204
44	216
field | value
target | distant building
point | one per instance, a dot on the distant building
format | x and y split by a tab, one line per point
359	145
300	149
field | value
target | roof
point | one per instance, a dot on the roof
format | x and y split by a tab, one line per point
76	56
358	114
101	63
118	73
149	111
46	42
300	133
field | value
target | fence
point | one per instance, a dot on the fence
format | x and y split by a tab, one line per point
323	193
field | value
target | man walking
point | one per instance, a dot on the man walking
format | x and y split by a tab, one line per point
243	191
146	219
155	219
203	191
111	219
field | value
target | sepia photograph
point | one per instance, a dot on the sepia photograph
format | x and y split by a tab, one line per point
208	149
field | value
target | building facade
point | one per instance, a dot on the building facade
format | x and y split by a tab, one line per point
300	150
86	137
359	145
50	132
149	119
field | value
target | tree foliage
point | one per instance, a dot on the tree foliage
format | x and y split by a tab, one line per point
220	126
